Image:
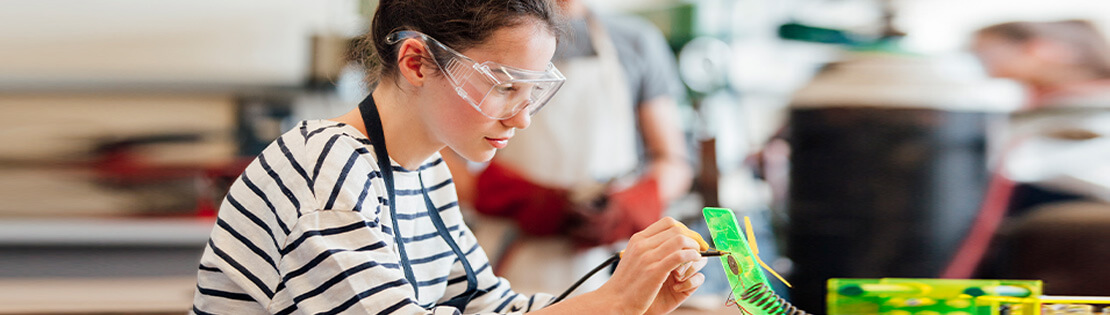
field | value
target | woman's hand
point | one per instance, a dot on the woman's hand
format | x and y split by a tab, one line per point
680	285
657	271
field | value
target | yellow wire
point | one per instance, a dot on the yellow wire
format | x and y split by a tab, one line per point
751	235
755	251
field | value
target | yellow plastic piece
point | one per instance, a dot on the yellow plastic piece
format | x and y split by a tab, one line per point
755	252
702	244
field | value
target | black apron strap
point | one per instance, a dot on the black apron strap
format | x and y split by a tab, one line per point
460	301
372	121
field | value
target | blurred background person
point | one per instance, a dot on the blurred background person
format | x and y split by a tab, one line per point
604	162
1054	151
1053	143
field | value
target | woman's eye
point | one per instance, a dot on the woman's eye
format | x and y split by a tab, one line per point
506	88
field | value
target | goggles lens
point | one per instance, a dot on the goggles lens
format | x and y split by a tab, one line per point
496	90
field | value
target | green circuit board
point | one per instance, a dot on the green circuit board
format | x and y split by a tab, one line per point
905	296
739	263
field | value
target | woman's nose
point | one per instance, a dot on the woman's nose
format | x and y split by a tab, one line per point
519	121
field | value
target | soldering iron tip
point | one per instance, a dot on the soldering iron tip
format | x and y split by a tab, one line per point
713	253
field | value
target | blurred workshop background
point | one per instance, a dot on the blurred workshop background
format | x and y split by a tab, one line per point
858	134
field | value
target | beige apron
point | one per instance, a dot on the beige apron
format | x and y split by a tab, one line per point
586	135
583	138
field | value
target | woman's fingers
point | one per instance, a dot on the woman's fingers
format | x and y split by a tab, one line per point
665	250
682	272
657	250
690	285
698	265
672	233
689	269
657	227
661	262
677	258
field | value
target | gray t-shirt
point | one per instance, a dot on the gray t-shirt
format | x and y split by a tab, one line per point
649	65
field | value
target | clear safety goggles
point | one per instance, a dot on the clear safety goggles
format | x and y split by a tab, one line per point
496	90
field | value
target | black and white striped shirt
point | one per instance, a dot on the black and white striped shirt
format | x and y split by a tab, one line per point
306	230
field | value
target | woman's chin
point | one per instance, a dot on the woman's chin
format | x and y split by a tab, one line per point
479	156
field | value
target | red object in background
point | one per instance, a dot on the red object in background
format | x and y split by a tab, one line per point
975	246
630	210
536	209
991	214
219	179
541	211
120	165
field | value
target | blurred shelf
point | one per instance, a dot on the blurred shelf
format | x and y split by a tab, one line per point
189	232
138	295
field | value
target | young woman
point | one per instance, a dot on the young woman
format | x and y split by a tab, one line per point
577	191
359	214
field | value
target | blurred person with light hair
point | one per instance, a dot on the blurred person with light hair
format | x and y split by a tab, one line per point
1058	146
1053	170
1064	63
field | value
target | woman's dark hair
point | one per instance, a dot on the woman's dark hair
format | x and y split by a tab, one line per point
1082	36
459	24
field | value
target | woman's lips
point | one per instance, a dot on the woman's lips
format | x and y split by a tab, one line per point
498	143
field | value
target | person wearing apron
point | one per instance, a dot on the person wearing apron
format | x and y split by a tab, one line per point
1052	167
574	184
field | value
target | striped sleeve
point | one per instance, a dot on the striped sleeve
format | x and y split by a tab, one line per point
238	270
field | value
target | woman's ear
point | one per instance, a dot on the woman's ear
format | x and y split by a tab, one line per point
410	60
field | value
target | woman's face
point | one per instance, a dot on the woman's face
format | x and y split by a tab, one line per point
457	124
1004	58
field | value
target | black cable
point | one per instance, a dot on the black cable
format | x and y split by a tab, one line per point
616	257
